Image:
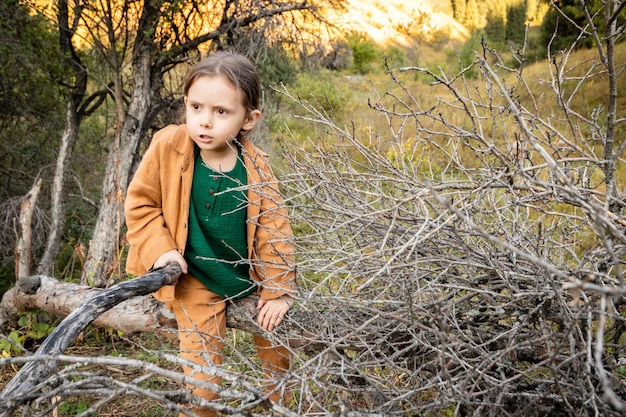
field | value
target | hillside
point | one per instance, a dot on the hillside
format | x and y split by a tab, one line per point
394	21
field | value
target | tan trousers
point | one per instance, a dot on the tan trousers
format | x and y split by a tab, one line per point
201	318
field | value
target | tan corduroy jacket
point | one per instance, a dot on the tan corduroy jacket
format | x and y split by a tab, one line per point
157	212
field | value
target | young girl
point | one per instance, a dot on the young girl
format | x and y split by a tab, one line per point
204	196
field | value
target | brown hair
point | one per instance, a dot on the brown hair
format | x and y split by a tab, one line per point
236	68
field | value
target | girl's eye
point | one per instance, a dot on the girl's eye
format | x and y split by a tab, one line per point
195	106
221	111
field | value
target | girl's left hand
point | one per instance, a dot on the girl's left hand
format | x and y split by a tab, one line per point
271	312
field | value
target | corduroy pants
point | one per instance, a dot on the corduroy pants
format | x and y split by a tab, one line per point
201	318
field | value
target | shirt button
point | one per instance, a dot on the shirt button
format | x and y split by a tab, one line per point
207	205
214	178
211	191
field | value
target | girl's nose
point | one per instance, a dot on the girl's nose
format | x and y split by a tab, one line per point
207	120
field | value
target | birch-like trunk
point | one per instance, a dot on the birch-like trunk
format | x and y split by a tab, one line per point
23	251
57	197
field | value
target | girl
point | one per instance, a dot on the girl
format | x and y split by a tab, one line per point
204	196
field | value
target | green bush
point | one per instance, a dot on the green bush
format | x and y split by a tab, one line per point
324	92
467	54
364	52
394	56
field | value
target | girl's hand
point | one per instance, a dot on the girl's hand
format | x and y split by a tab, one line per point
171	256
271	312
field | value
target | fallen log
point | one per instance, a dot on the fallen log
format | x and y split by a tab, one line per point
307	328
38	292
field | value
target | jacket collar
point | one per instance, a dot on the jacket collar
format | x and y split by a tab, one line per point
182	144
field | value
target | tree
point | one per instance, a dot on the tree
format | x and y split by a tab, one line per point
495	30
516	23
458	9
29	96
472	15
565	24
76	108
30	118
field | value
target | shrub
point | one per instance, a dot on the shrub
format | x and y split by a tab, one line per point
364	52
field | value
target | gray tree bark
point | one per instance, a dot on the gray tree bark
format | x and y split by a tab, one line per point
103	257
57	197
23	251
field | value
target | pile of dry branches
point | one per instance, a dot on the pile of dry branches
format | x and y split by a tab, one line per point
476	243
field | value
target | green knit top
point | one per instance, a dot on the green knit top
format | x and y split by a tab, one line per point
216	250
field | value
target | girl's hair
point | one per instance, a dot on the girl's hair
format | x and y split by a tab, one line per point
235	68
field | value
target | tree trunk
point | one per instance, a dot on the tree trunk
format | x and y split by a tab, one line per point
103	256
23	250
57	197
73	117
309	330
140	313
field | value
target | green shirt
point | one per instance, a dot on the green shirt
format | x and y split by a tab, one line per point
216	249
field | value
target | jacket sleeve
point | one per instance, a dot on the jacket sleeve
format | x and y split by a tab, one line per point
273	251
147	233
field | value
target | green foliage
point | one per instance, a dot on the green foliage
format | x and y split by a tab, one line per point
394	56
33	326
467	54
496	29
364	52
276	66
7	277
27	89
72	408
516	23
31	112
11	344
324	91
561	32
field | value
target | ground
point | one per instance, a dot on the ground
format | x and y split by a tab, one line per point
98	342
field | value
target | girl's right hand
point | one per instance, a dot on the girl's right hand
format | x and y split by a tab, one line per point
171	256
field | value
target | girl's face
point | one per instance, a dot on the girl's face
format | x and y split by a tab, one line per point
215	115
